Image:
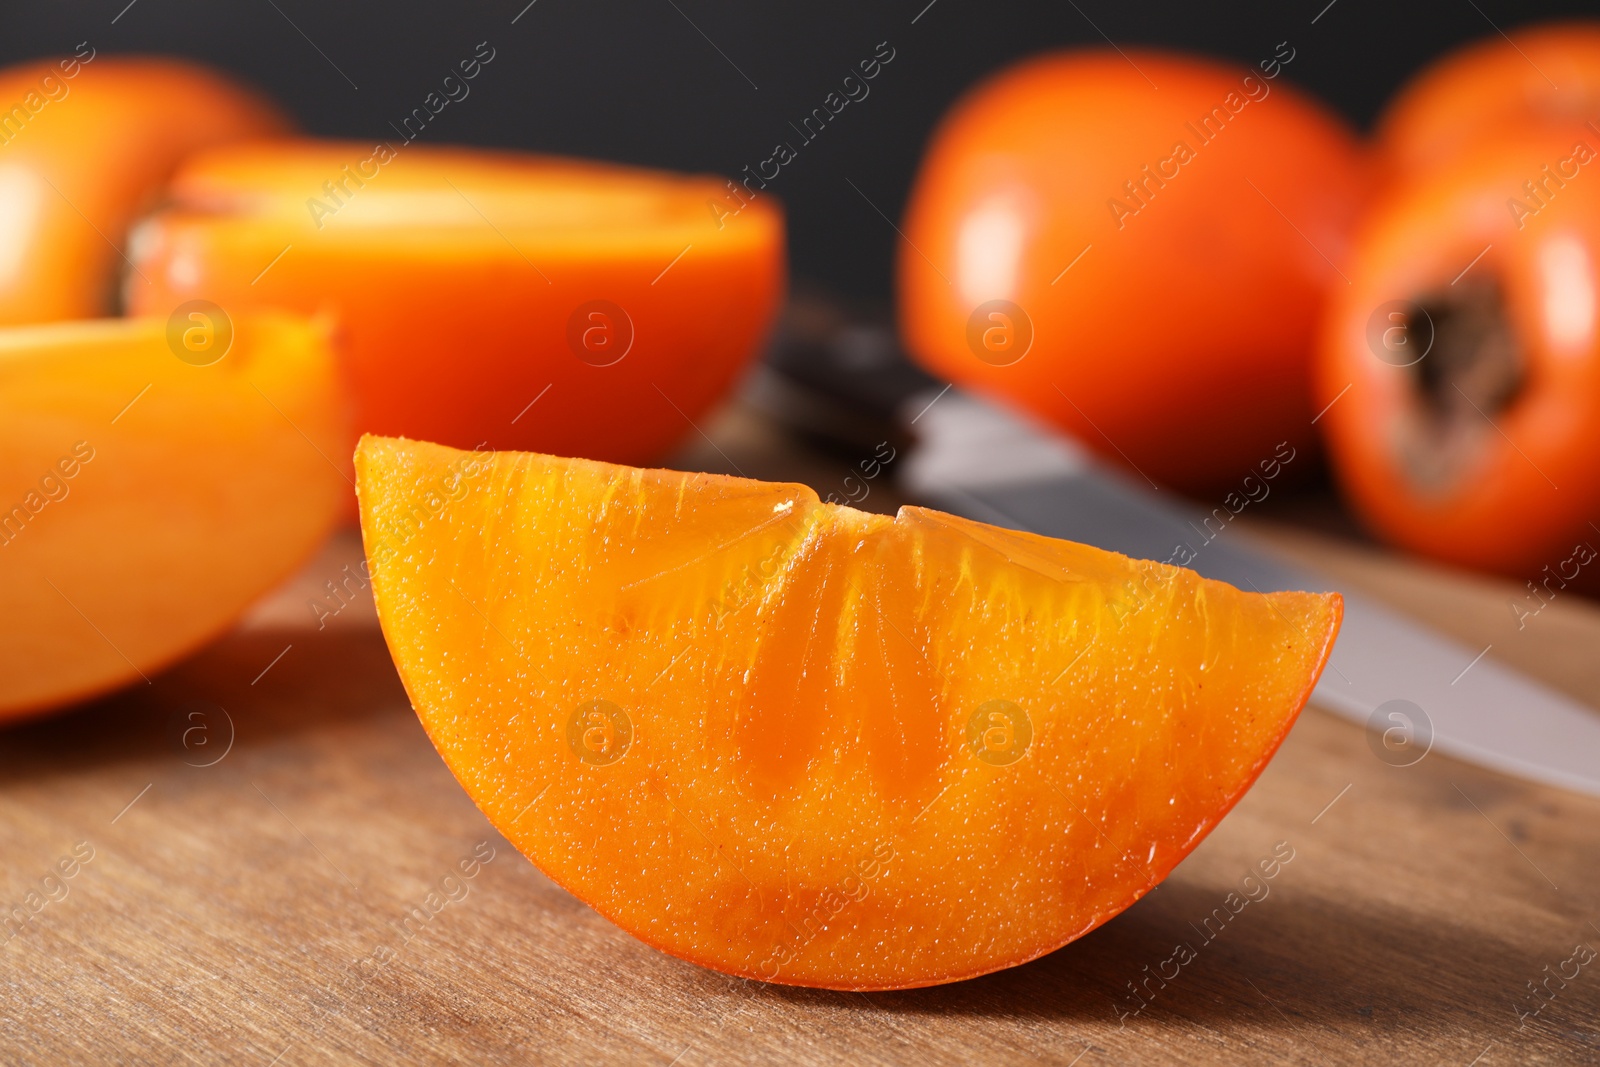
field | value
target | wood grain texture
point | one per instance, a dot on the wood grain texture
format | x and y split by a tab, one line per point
233	912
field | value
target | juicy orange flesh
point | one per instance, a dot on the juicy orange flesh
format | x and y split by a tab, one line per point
544	221
468	195
145	502
795	790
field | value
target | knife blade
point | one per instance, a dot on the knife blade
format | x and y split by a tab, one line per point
1411	685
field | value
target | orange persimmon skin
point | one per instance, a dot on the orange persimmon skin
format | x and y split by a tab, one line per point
1180	341
1526	485
76	173
799	743
1546	73
460	277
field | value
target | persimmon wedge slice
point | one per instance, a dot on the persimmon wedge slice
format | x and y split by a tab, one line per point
801	743
145	500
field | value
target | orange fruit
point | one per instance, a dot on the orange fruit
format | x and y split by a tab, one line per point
1460	369
146	500
85	148
1545	74
802	743
1142	268
484	297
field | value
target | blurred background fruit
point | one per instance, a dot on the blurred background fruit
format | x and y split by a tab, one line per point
153	487
1463	364
1136	249
1548	72
484	297
86	147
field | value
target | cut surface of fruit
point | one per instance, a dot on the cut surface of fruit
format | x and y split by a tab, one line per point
801	743
145	500
633	298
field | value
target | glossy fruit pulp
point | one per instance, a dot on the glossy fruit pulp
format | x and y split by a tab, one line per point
146	502
805	744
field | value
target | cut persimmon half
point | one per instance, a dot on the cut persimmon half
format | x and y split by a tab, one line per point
156	479
801	743
502	298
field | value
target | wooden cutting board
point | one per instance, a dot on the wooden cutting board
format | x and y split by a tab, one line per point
270	865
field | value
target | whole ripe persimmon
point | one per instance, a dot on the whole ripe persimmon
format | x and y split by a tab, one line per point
1136	249
86	143
804	744
484	297
1463	363
1545	73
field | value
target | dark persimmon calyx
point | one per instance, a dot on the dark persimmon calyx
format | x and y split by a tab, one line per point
805	744
1471	373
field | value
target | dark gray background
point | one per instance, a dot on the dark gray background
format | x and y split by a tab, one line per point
659	82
